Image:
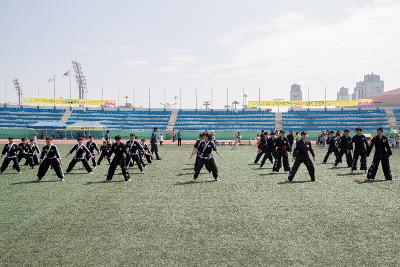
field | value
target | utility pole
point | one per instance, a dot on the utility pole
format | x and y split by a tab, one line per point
227	97
149	99
180	98
206	104
195	91
259	98
126	101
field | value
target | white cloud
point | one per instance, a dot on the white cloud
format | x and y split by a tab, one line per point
296	47
177	59
135	63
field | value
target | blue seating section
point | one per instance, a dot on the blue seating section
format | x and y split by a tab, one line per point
11	117
123	119
396	113
225	120
321	120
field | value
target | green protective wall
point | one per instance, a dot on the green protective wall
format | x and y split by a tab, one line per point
190	135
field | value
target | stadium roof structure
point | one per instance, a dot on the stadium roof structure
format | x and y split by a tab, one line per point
391	97
86	125
44	125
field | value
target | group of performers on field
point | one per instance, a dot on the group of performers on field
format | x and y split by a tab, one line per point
125	155
277	148
273	146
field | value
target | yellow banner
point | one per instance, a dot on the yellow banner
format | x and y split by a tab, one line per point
63	101
328	103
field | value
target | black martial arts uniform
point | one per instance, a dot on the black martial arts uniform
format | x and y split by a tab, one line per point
92	146
153	145
12	155
50	157
301	155
331	148
23	152
147	153
345	148
120	154
134	149
382	154
32	157
260	148
360	151
268	147
105	151
205	149
282	148
81	154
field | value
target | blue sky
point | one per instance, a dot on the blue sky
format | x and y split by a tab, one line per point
198	44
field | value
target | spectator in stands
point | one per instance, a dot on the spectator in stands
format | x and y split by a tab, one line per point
382	154
179	135
11	151
153	144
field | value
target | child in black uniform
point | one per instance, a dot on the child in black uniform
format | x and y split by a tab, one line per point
81	154
11	150
205	149
50	157
105	151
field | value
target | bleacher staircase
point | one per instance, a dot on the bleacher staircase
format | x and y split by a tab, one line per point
66	116
172	120
278	120
391	118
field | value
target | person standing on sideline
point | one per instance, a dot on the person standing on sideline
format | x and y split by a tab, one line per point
360	150
82	153
161	139
153	144
50	157
300	153
107	137
120	152
179	135
11	150
382	154
173	135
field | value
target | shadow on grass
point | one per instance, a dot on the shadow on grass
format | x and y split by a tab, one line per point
338	168
253	164
104	182
349	174
256	169
295	182
35	182
371	181
75	173
194	182
274	173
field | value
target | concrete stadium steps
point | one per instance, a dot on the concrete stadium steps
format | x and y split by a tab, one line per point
391	118
172	120
278	120
66	116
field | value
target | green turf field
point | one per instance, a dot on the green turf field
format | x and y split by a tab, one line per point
249	217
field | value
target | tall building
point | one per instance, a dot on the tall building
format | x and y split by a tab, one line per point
343	94
371	86
295	93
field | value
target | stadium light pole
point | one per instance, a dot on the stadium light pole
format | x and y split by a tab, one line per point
102	93
149	99
206	104
325	97
133	97
227	97
118	97
165	98
5	92
259	98
211	97
180	98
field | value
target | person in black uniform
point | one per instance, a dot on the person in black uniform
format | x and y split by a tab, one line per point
81	154
269	148
147	152
300	153
23	151
134	149
331	142
206	148
50	157
120	154
107	137
281	149
382	154
345	147
360	150
32	151
36	150
261	147
153	144
290	139
196	151
12	151
105	150
92	146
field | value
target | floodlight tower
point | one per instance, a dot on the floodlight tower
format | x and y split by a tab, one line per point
18	88
80	79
